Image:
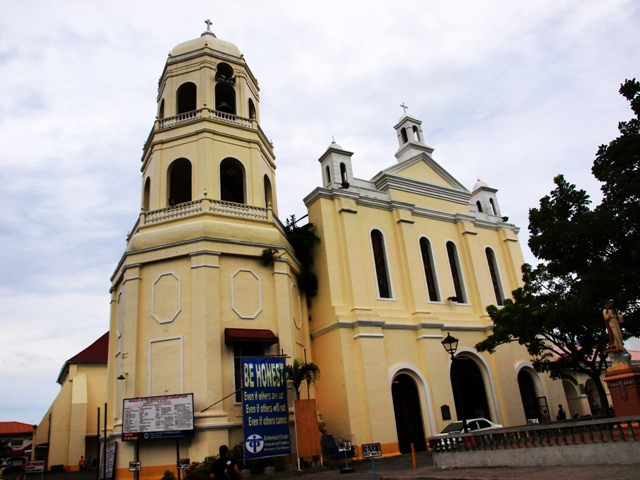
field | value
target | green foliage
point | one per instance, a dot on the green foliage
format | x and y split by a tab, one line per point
588	256
302	372
5	448
237	453
200	470
269	255
303	239
168	475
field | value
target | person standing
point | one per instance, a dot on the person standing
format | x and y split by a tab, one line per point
225	464
561	415
81	463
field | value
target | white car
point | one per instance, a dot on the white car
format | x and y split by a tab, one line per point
473	425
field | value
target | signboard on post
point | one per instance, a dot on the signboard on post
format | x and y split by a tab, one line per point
155	418
107	472
34	467
264	407
370	450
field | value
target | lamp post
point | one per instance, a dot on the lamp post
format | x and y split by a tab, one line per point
450	344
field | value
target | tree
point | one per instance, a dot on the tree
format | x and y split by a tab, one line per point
5	448
303	239
588	256
300	372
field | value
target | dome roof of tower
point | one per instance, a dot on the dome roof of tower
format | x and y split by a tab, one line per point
480	184
334	145
207	39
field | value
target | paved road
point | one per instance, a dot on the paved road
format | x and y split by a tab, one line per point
401	468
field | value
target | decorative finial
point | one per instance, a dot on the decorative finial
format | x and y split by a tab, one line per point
404	107
208	22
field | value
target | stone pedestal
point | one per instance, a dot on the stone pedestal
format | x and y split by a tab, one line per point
623	381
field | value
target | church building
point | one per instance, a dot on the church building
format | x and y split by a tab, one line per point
405	259
208	276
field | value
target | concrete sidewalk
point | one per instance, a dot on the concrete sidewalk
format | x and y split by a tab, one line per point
401	468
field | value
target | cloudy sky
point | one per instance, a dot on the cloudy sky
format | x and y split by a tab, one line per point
510	92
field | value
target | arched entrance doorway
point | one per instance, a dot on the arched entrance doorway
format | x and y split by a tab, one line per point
598	406
469	393
574	399
529	397
406	407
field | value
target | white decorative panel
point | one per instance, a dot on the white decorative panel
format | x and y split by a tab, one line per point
296	307
166	296
165	366
120	314
246	294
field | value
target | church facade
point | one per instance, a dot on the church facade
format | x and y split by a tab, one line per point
404	259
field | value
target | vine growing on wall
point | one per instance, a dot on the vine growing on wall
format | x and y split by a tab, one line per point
303	239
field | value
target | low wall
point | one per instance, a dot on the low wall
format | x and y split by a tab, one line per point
589	442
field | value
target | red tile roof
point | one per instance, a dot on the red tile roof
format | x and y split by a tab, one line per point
97	352
15	428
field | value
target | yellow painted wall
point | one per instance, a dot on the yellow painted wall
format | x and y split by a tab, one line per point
381	338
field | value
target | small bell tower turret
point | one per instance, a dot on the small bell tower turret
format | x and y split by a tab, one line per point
410	137
336	167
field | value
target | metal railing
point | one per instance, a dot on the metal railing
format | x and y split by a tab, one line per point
622	429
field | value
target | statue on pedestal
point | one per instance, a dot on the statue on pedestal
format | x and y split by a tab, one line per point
612	321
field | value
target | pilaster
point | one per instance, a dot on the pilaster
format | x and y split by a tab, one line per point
206	332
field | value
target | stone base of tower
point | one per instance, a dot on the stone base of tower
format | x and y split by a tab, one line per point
624	385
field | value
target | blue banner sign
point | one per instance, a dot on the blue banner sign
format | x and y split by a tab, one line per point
264	407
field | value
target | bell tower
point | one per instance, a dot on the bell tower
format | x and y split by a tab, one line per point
410	137
207	275
208	104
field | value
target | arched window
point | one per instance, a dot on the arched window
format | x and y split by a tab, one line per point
161	110
343	174
479	205
179	182
252	110
186	98
380	261
416	133
268	195
493	207
403	133
495	275
225	98
231	181
328	170
456	274
429	273
146	194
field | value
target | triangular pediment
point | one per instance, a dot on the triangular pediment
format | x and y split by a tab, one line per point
423	168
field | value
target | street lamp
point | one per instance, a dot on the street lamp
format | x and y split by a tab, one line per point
450	344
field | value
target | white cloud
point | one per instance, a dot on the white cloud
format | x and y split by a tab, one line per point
511	92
